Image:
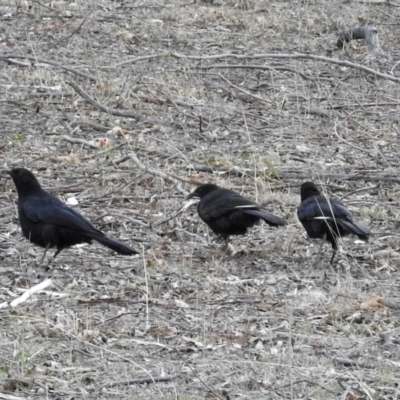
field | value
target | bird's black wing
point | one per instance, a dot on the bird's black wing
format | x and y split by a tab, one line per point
47	209
222	202
323	208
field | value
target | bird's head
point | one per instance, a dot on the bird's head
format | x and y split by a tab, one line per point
202	191
24	180
308	189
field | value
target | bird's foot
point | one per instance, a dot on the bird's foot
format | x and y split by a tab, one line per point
47	265
220	239
228	249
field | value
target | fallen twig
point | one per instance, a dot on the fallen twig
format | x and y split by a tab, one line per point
48	293
348	143
140	381
10	397
384	253
81	141
255	66
343	63
110	110
347	362
198	376
180	211
363	189
35	60
212	170
160	174
28	293
368	176
244	91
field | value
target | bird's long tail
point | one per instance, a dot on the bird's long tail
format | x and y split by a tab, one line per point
356	229
115	245
269	218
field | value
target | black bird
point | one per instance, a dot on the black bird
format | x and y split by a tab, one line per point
327	219
48	222
228	213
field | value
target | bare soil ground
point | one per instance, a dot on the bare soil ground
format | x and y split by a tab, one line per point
124	106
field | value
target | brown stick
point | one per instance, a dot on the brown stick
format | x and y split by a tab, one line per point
140	381
369	176
160	174
35	60
110	110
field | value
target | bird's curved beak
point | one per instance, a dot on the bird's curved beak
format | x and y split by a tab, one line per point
189	196
9	172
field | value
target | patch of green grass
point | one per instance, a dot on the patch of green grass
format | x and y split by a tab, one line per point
269	161
19	138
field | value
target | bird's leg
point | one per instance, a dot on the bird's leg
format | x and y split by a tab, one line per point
335	246
226	244
44	254
318	258
227	248
57	252
333	255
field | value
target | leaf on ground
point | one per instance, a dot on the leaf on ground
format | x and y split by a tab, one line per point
162	332
372	304
181	304
101	143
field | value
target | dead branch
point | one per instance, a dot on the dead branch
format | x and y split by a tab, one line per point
81	141
347	362
180	211
114	318
199	377
160	174
364	189
10	397
212	170
113	111
121	217
28	293
249	66
48	293
244	91
51	10
144	58
384	253
140	381
100	153
34	289
35	60
368	176
78	29
348	143
294	56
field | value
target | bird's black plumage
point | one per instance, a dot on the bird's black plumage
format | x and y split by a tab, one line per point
325	218
48	222
228	213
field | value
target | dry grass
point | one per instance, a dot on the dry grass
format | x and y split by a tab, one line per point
262	324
